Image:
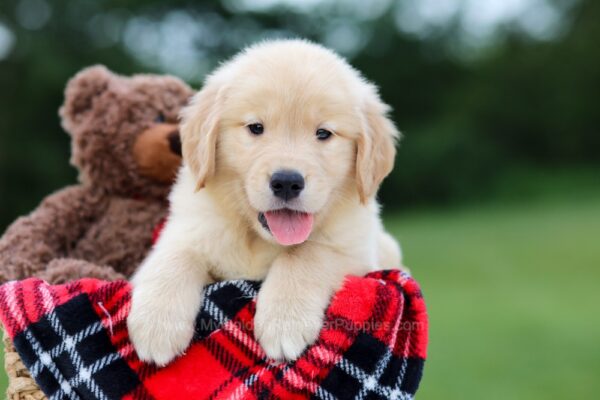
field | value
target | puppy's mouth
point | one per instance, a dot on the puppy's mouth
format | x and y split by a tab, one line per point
288	227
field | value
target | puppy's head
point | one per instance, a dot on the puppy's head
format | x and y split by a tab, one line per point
285	131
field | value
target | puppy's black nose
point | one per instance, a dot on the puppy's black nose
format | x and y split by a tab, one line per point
287	184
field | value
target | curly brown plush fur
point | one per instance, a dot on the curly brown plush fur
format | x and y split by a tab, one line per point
124	144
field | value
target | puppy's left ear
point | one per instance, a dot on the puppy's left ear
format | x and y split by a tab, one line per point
376	147
199	131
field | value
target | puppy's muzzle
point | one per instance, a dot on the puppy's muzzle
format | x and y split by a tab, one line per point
287	184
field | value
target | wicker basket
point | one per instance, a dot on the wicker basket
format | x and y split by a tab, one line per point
21	386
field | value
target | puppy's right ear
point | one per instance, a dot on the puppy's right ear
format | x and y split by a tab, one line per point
376	147
199	130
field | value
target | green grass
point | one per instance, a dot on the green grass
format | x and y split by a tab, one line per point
513	293
3	377
513	290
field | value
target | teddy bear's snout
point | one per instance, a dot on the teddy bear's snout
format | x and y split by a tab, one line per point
175	142
157	152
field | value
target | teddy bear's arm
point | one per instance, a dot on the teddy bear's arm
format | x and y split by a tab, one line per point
62	270
49	232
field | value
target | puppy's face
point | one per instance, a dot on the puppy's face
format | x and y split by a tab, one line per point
288	130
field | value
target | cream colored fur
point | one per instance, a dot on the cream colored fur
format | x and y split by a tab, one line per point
293	88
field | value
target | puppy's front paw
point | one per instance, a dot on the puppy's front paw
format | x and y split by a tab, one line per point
158	334
285	331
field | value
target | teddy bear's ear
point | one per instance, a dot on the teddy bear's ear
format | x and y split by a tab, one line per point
80	93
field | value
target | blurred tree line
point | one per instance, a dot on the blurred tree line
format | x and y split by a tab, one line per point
468	116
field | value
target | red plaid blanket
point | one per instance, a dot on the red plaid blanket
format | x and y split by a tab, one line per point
73	340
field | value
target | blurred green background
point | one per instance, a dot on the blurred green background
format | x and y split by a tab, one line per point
496	191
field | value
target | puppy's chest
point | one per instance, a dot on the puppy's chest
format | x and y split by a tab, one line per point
232	258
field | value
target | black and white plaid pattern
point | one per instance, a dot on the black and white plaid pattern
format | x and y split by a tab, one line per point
222	302
365	373
77	348
74	334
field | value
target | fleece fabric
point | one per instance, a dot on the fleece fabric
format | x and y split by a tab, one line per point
73	339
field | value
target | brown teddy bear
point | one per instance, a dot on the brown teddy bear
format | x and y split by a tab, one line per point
126	147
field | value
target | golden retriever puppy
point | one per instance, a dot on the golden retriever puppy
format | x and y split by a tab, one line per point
284	149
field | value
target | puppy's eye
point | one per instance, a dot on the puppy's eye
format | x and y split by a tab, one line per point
160	118
256	129
323	134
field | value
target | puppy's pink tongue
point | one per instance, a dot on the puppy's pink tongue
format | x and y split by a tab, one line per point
289	227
